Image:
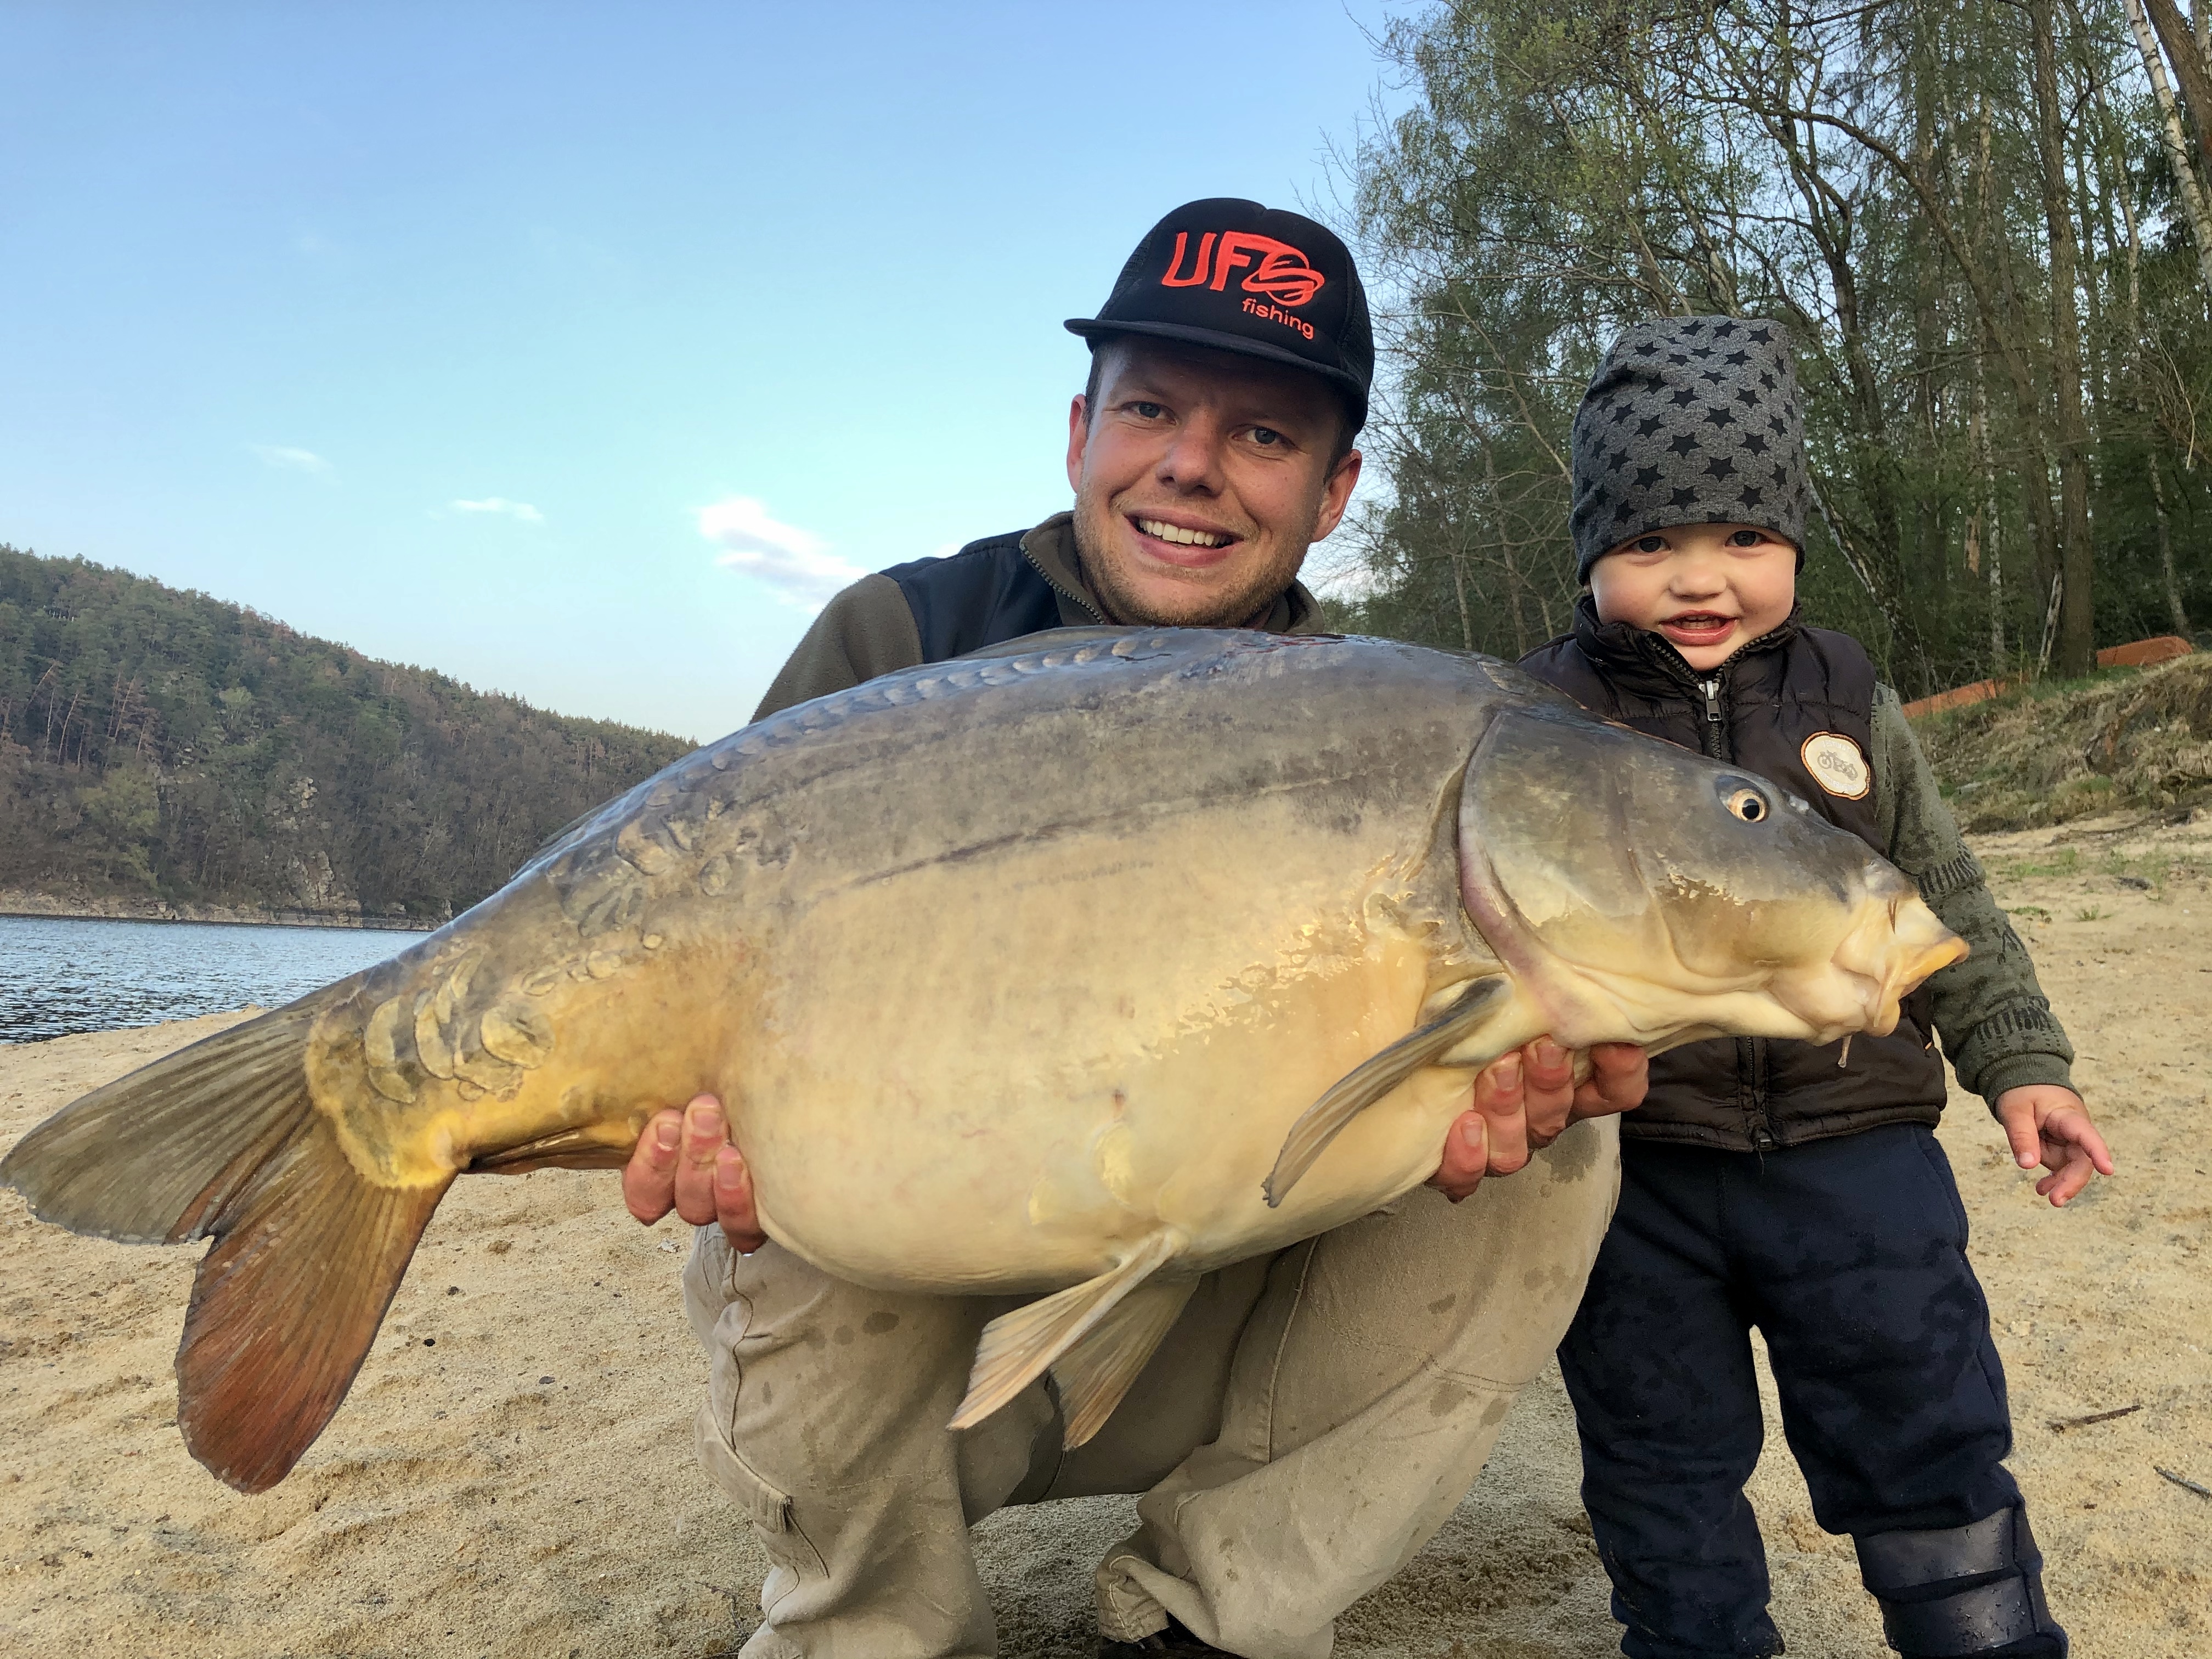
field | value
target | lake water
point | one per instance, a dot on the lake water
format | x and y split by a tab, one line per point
61	975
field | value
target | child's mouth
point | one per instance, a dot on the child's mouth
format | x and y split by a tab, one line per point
1698	627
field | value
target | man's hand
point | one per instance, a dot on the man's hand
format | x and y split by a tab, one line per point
2050	1125
1524	1100
684	1162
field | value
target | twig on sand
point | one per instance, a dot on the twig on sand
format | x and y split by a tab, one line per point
2185	1482
2060	1424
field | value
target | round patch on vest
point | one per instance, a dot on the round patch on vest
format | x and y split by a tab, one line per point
1836	764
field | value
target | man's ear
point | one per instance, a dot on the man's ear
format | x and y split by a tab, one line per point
1079	433
1336	495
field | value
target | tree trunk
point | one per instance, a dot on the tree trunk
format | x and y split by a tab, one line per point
2077	642
2189	72
2170	133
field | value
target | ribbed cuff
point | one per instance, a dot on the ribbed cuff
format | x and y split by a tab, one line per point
2018	1071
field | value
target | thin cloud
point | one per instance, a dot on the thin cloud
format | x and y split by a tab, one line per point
796	563
295	460
521	510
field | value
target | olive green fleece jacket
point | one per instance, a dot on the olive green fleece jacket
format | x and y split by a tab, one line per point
1997	1025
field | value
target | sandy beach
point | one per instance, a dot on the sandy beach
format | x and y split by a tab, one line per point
513	1475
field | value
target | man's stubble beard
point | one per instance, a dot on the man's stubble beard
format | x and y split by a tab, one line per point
1245	606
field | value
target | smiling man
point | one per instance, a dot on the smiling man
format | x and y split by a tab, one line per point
1313	1416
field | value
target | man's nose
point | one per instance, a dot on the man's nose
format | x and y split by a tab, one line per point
1192	460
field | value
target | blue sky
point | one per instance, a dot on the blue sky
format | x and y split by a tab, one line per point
452	331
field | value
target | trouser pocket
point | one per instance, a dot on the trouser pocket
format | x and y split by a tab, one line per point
795	1561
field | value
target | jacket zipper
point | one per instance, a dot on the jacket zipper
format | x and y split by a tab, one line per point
1096	615
1715	733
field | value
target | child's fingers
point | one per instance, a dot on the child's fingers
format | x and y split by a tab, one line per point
2075	1129
2020	1131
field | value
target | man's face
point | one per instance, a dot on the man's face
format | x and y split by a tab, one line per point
1200	478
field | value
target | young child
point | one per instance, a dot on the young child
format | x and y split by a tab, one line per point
1772	1183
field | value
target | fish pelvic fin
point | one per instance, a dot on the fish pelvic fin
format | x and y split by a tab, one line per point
221	1141
1367	1082
1019	1347
1094	1373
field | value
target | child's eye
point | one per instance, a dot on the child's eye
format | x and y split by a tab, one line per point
1650	544
1746	539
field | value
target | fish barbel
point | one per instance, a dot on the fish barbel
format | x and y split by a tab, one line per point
1079	968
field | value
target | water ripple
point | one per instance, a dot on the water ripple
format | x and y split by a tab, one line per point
60	975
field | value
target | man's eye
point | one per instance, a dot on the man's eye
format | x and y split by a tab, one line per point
1267	437
1145	412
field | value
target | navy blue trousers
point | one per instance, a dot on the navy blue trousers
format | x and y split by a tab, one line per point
1849	1255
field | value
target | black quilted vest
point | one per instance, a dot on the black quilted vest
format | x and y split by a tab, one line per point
1760	710
987	594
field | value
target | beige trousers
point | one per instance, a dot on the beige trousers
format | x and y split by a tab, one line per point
1309	1422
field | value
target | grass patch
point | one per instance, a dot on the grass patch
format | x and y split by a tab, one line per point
2068	749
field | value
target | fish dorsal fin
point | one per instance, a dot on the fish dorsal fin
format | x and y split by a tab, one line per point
1367	1082
1019	1347
1097	1371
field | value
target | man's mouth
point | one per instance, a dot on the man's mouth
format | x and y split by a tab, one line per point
1182	535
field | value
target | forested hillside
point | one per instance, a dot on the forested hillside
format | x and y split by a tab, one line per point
163	746
1985	225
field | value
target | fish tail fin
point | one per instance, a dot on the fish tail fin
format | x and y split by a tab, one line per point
221	1141
1019	1347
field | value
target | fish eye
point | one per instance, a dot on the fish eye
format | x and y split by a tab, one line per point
1749	805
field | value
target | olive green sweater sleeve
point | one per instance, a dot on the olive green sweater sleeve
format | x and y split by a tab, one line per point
867	630
1995	1023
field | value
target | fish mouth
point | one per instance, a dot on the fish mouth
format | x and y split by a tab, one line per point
1896	945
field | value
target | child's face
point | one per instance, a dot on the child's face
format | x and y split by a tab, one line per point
1707	588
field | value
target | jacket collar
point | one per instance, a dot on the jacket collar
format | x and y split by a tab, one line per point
1647	664
1051	548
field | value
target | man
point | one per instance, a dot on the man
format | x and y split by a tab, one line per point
1313	1416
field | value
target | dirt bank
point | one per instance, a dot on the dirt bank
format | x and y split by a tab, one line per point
511	1475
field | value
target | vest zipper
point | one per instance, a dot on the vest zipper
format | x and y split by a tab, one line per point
1715	733
1750	1052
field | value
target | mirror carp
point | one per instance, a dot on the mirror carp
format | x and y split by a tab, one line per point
1080	967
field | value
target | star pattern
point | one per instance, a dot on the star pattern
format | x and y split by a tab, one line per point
1690	419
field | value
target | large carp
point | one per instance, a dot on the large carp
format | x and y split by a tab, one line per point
1080	968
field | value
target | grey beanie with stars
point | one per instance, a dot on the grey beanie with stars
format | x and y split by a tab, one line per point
1690	420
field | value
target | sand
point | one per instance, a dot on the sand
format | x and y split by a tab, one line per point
513	1476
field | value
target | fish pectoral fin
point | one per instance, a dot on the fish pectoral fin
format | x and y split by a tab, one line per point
1019	1347
1367	1082
606	1146
1097	1371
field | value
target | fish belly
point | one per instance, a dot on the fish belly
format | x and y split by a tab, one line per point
1062	1047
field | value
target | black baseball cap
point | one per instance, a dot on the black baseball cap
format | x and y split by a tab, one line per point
1233	275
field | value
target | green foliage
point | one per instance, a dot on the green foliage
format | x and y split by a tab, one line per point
1906	186
158	742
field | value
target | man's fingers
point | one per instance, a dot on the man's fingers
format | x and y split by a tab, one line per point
1548	1074
1466	1156
1501	1096
734	1201
649	1177
705	1133
1620	1074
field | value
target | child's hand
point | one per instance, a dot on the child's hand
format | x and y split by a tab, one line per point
2050	1125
